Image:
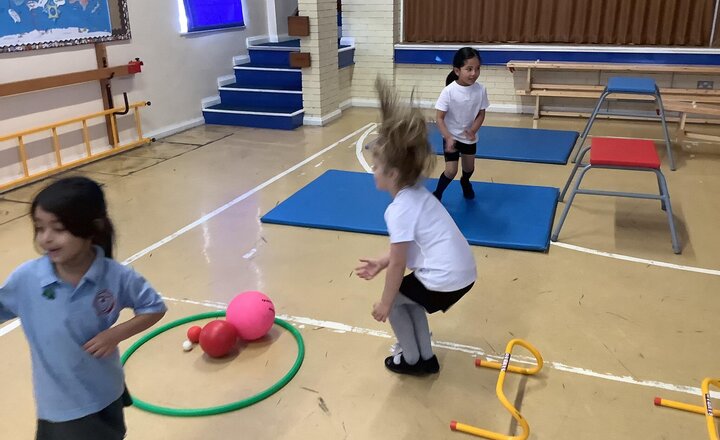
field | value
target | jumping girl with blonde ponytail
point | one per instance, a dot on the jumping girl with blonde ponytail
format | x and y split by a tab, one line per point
423	238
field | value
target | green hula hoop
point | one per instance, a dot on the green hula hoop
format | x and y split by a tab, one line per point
213	410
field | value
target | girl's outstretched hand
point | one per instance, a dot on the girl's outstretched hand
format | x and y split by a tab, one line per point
368	269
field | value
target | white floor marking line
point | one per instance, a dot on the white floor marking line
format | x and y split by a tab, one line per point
637	260
7	328
339	327
360	145
358	152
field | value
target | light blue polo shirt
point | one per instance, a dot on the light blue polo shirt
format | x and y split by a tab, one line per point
58	319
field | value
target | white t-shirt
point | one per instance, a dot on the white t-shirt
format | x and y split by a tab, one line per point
462	104
438	254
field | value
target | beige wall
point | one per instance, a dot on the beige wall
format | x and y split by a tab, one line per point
179	72
345	76
428	81
372	24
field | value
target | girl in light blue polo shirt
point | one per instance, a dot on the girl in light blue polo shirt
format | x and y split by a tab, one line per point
68	301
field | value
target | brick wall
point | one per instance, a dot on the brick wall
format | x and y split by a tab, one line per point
321	88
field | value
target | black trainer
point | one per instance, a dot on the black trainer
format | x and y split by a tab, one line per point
430	366
467	189
403	367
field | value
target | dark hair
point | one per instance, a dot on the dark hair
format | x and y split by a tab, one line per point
79	204
461	56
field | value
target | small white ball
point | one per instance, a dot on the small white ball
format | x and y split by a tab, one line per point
187	345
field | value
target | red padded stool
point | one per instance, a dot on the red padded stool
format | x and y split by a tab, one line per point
620	154
633	86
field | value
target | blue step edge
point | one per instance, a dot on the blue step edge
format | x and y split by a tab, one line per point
261	77
273	88
251	116
268	67
281	60
270	58
270	99
294	44
286	45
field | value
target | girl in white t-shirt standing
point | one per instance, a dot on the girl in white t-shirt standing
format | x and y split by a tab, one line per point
423	238
460	114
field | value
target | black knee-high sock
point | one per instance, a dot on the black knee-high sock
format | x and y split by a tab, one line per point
443	183
466	176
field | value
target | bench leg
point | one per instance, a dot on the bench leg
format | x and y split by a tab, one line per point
683	121
536	115
528	83
680	132
561	220
590	122
665	194
665	129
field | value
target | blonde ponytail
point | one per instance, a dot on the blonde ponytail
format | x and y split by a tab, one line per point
403	142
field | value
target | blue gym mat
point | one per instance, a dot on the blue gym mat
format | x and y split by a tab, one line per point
518	144
501	215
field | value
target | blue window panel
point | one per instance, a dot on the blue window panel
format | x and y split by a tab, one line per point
213	14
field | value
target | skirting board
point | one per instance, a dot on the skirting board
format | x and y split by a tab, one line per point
175	128
315	120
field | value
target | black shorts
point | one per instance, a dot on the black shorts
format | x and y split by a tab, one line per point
433	301
106	424
462	148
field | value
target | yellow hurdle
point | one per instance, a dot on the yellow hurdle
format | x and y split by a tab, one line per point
504	367
61	166
706	409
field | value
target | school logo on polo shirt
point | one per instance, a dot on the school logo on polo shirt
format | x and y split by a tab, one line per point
49	293
104	302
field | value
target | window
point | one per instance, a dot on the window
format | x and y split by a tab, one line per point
202	15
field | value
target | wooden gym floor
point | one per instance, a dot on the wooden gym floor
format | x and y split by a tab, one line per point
615	333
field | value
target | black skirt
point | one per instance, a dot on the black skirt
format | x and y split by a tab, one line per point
433	301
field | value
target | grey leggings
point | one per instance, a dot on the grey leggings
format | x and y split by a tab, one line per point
410	324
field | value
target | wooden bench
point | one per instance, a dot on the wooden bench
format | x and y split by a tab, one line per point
669	94
685	108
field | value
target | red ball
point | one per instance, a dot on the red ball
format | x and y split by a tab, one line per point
193	334
218	338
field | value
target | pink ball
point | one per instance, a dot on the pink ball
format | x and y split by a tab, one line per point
252	314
